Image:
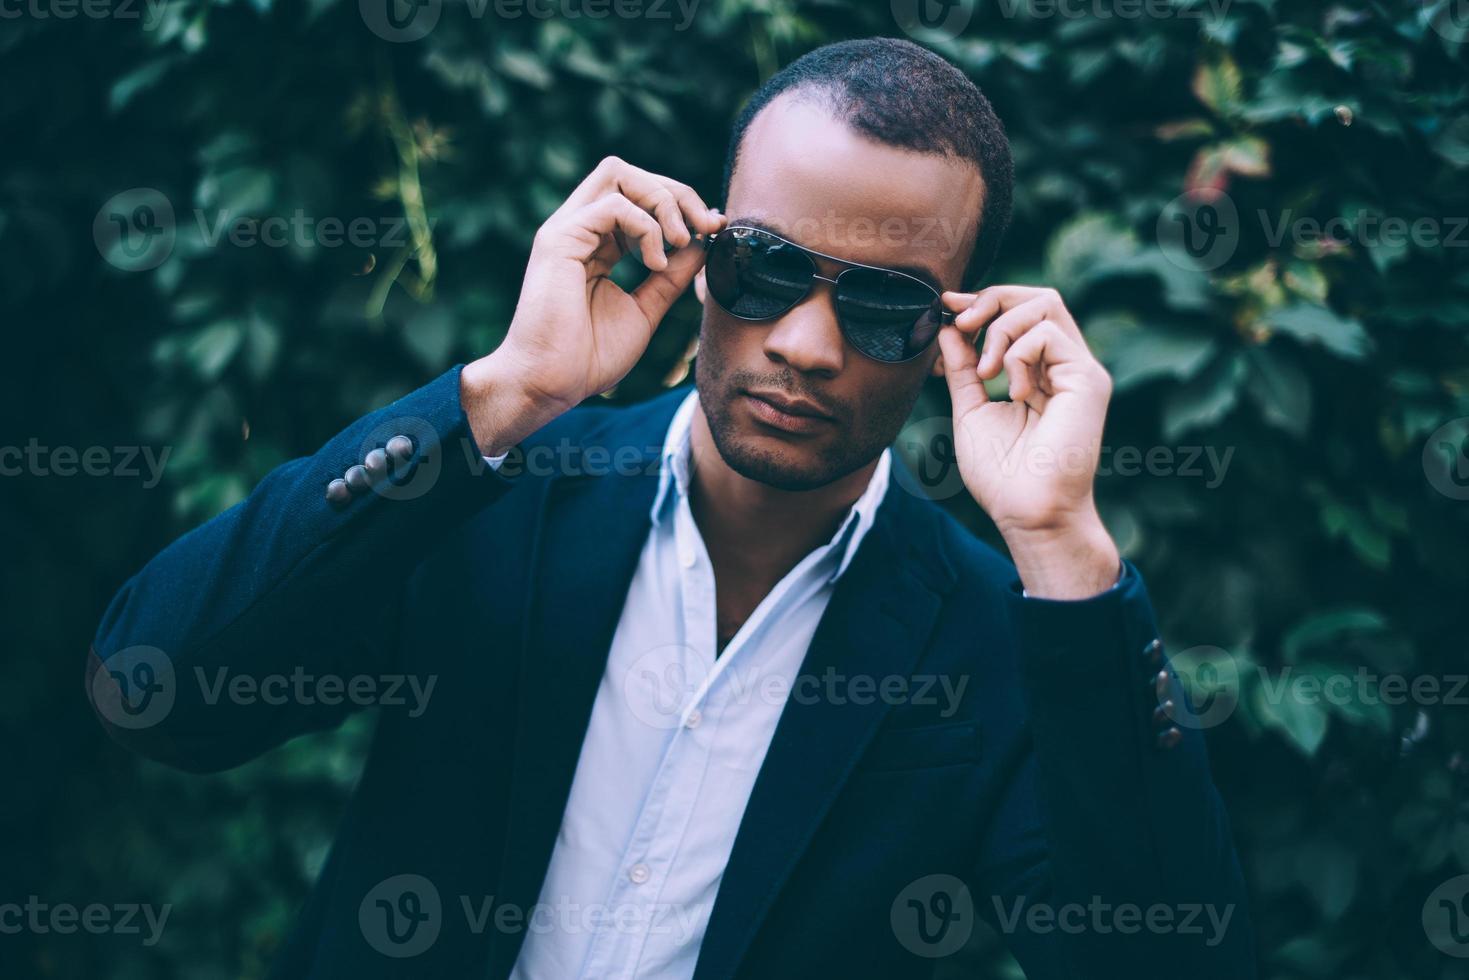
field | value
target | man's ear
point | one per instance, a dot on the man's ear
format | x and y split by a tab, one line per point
701	289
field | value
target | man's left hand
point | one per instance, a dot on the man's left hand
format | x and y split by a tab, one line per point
1030	462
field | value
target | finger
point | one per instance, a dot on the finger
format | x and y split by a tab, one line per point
594	185
1043	361
966	389
657	293
976	309
1005	329
700	216
988	302
676	205
616	214
689	205
654	195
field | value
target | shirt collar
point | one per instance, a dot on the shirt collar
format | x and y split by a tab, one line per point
673	485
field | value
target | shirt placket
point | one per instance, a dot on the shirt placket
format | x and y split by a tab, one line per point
664	817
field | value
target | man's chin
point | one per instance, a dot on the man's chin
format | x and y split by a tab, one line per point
778	466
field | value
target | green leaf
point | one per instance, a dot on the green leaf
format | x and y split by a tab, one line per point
1452	142
524	67
211	349
1086	248
262	344
1329	872
1303	722
139	80
1248	156
1279	388
1325	628
1135	353
1203	400
1218	85
1313	324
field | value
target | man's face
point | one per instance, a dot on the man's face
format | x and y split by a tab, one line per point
807	177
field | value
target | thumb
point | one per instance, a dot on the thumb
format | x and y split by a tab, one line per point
657	292
961	371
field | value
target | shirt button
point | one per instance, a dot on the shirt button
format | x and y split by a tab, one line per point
692	721
638	874
686	557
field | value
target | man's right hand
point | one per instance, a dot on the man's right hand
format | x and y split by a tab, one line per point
576	333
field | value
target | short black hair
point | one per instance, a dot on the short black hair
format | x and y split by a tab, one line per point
906	96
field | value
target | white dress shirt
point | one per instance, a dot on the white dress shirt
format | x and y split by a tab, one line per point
676	738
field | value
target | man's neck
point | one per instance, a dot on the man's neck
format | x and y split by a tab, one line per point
753	531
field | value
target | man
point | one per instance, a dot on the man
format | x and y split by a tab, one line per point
715	697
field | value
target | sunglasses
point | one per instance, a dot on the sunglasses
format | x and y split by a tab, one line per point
886	315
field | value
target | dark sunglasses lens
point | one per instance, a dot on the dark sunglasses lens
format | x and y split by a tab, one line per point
756	276
888	317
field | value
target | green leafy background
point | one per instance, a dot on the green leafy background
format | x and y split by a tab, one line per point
1326	367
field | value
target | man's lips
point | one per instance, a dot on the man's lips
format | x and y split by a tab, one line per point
786	413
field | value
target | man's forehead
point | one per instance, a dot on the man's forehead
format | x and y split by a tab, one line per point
805	175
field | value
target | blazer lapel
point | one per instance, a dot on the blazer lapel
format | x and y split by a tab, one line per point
590	532
876	625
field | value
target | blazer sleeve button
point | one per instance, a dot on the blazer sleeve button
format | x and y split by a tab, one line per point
1163	714
1160	685
337	492
1170	738
400	448
357	478
1154	653
376	463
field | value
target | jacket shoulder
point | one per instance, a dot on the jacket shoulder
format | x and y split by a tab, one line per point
969	560
596	422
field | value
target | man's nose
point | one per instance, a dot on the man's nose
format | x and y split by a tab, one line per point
808	338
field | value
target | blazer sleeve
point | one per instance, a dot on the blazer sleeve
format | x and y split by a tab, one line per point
291	583
1110	854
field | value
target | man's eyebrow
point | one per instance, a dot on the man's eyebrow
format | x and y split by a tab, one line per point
916	271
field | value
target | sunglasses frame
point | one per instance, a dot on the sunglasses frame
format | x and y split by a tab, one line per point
946	318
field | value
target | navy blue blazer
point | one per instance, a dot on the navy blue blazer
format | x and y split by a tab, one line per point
876	832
